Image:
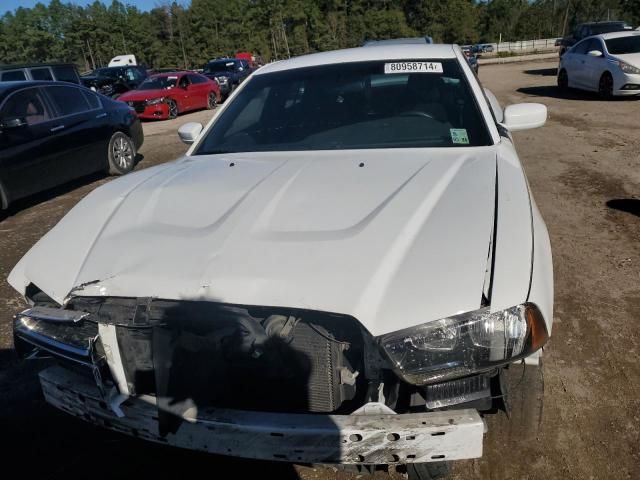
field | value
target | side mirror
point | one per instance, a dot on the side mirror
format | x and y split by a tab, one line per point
10	123
595	53
189	132
524	116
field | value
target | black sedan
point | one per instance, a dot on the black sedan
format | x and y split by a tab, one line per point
54	132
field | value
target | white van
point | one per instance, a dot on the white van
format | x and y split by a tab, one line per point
122	60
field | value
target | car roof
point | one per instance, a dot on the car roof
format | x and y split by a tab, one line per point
624	33
169	74
8	87
15	66
605	22
363	54
399	41
225	60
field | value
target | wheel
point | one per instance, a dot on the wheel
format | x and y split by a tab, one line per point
605	87
427	471
173	108
122	154
4	200
563	80
212	100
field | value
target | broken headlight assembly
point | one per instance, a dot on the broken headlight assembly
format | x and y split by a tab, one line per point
465	344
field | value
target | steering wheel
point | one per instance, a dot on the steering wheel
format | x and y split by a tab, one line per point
416	113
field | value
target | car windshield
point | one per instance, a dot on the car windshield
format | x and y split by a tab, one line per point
218	67
623	45
107	72
159	83
378	104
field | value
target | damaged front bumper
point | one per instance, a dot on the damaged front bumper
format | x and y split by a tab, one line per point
142	368
378	438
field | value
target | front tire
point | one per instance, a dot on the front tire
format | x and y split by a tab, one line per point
122	154
173	109
605	86
563	80
212	101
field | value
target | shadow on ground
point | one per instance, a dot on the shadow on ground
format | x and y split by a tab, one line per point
551	91
545	72
50	444
628	205
44	196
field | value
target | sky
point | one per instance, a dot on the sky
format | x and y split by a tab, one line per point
10	5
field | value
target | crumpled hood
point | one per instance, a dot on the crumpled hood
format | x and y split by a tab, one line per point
394	238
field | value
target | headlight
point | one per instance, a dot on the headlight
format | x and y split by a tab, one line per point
626	68
222	79
464	344
155	101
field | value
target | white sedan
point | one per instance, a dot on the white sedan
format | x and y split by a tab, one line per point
608	64
346	267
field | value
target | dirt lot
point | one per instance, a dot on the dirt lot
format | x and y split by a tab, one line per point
584	172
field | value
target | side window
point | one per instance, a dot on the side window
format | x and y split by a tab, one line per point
27	105
68	100
131	74
596	44
581	48
65	73
41	73
197	79
184	81
92	99
13	76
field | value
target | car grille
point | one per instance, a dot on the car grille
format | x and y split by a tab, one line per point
248	358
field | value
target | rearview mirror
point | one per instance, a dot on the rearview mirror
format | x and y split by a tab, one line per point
524	116
189	132
595	53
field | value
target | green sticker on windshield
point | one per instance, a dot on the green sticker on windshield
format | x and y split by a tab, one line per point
459	135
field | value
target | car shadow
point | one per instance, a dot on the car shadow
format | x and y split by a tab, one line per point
552	91
46	195
545	72
628	205
53	444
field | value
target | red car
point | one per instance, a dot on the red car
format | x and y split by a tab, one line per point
166	95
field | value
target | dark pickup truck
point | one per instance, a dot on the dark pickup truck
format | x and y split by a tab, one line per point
585	30
228	72
114	81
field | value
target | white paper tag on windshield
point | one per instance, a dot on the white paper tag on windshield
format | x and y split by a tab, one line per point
413	67
459	135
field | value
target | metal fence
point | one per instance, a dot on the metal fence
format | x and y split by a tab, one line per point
545	44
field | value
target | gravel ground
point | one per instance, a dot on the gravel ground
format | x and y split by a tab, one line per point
583	170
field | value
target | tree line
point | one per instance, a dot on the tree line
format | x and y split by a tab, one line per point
187	34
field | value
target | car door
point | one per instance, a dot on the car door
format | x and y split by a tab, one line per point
183	94
28	143
576	64
82	130
594	66
199	90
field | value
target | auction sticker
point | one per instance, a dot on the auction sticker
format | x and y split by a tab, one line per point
413	67
459	135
